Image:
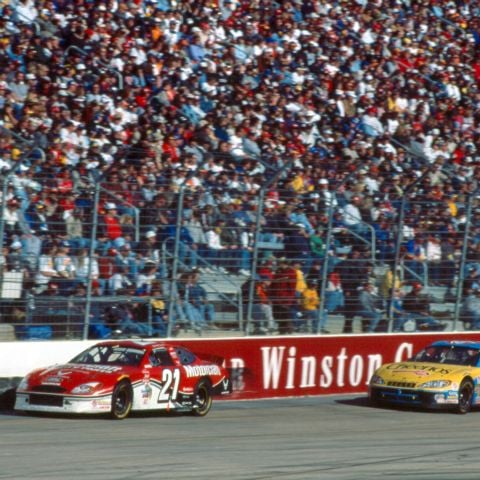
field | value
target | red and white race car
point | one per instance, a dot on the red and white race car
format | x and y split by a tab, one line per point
118	377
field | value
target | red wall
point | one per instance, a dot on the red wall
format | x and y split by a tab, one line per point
297	366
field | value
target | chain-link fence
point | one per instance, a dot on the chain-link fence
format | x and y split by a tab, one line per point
86	258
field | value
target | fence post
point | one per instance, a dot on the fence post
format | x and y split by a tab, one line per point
91	253
2	207
176	249
461	267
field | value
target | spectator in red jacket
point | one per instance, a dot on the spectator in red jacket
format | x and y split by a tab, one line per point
283	295
111	224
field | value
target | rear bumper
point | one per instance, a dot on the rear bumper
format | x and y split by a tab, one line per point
419	398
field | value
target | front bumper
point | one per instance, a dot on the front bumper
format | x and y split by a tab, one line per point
49	403
413	397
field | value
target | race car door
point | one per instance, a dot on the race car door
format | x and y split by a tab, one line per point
167	376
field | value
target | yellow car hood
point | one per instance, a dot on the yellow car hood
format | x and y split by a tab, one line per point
420	372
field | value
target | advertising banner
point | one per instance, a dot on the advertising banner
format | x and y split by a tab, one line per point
301	366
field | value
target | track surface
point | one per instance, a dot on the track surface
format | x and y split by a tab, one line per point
309	438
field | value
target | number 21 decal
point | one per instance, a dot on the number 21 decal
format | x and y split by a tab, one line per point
170	383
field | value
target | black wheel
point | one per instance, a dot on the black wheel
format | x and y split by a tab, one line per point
202	399
465	394
121	400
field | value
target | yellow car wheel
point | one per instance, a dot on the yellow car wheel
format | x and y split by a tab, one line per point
465	395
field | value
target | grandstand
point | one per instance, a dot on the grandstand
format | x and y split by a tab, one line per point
185	168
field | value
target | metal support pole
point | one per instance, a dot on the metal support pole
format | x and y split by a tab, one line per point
328	241
91	253
173	280
461	268
3	206
396	262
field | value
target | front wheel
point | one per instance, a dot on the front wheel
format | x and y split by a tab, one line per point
202	399
121	400
465	395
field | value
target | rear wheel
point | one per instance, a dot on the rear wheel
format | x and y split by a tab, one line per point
465	395
202	399
121	400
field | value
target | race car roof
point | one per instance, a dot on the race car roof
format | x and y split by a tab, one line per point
457	343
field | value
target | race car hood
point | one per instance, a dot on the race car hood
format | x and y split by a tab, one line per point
419	372
70	375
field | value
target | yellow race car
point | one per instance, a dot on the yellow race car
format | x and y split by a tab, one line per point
443	375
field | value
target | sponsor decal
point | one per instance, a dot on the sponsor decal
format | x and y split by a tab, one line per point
201	370
421	370
99	368
102	403
146	393
52	381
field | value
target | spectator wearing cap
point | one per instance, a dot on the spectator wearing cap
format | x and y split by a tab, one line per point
149	248
110	225
299	217
352	217
327	198
12	217
15	261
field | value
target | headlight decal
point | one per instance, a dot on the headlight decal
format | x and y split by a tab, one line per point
85	388
436	384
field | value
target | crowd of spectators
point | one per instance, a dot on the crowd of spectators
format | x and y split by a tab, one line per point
360	102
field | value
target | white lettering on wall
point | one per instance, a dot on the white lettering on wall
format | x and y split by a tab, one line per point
291	368
356	370
309	367
326	378
404	351
341	357
272	366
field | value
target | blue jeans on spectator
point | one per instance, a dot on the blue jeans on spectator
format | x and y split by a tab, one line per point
334	300
128	325
195	316
319	323
207	311
373	317
187	255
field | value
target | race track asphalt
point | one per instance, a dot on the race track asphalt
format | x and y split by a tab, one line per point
287	439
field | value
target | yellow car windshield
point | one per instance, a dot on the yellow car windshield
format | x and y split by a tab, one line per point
450	354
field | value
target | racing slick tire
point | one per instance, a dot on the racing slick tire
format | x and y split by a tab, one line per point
465	395
202	399
121	400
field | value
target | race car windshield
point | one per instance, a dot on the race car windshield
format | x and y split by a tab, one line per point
453	355
110	355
